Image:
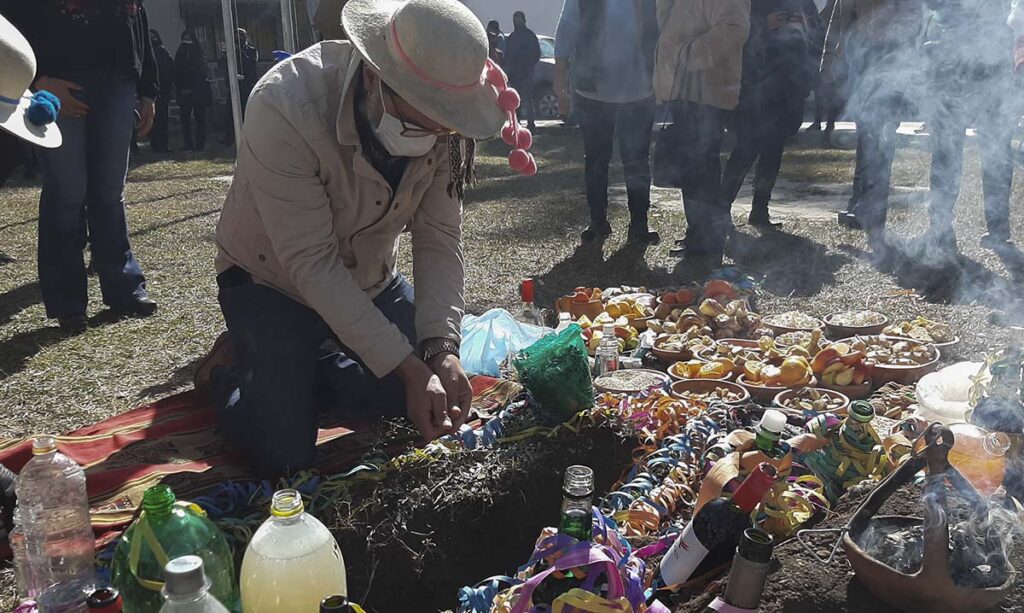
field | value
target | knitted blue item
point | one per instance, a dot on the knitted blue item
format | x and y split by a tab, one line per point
44	108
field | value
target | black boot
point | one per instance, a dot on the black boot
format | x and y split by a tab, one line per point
597	230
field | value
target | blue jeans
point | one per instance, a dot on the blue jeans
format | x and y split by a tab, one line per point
83	197
290	367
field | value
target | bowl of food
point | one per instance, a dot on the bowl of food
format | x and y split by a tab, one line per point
841	369
671	348
766	381
814	400
927	331
893	359
739	351
792	321
844	324
631	381
709	391
583	302
719	370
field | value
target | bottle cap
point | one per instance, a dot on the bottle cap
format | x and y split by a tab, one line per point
526	290
184	577
772	424
105	600
42	445
862	411
756	545
752	491
579	481
286	503
334	604
563	316
608	329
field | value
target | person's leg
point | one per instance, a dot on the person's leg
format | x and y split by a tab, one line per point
742	157
110	123
200	113
597	122
185	116
268	407
994	140
62	225
527	108
769	162
948	127
635	124
158	138
699	139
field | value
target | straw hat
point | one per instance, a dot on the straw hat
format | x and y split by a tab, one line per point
433	53
17	71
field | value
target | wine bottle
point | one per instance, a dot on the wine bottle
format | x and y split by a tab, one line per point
717	522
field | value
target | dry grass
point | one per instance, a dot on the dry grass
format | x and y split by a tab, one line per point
515	227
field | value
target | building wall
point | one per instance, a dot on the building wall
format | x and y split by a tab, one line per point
541	15
165	17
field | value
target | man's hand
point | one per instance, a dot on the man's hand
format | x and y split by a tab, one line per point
561	87
459	393
147	111
69	105
425	398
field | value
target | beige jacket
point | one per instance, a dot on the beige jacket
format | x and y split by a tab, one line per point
700	52
308	215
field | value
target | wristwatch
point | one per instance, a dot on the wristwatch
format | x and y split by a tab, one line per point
434	347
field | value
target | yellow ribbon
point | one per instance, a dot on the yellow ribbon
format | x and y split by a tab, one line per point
582	600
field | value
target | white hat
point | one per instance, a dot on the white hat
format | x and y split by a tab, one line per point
432	53
17	71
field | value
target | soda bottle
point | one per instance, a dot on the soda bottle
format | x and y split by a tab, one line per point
187	589
335	604
292	562
577	503
166	530
105	600
59	543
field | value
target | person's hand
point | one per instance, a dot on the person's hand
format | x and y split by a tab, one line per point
425	399
777	19
459	393
69	105
562	93
147	111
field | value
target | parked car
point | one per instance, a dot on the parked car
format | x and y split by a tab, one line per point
544	100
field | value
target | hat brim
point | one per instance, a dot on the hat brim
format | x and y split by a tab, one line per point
14	119
472	112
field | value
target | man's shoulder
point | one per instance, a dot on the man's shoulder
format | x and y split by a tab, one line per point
313	78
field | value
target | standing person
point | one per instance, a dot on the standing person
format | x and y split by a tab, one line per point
346	146
972	85
698	70
495	42
829	96
884	63
522	54
780	65
611	45
97	58
248	69
194	93
159	137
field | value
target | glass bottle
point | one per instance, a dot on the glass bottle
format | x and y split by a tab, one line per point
335	604
105	600
528	312
980	456
768	434
856	429
577	503
749	571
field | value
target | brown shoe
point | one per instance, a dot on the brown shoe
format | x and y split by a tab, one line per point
221	355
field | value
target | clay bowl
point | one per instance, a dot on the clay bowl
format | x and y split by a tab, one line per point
677	377
949	348
668	356
782	397
699	386
766	394
904	375
836	330
853	392
640	323
780	329
568	304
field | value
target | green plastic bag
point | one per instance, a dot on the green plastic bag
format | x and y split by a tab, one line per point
556	372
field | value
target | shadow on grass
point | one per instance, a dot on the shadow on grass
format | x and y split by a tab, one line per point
791	265
172	222
17	300
181	375
16	351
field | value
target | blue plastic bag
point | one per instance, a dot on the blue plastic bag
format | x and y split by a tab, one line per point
488	339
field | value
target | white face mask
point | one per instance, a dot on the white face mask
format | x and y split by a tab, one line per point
389	133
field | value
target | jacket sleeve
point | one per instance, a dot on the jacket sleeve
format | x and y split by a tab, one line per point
149	80
730	26
568	29
438	265
291	199
534	50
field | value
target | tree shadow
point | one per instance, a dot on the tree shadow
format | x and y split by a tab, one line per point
789	264
181	375
17	300
16	351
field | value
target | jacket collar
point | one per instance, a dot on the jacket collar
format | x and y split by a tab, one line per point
346	123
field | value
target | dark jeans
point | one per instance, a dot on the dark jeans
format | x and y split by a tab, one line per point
760	137
525	88
699	138
189	110
634	122
876	150
83	187
290	367
983	107
160	135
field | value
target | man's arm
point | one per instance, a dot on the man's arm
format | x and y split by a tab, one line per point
730	26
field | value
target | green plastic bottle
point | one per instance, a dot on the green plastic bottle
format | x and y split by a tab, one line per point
166	530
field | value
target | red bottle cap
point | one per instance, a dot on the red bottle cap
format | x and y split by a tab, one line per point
753	490
526	290
105	600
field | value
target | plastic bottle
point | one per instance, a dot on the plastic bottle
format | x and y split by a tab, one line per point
768	434
187	589
179	530
292	562
23	575
335	604
980	456
105	600
564	321
60	547
607	355
528	312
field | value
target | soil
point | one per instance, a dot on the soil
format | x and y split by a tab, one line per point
413	540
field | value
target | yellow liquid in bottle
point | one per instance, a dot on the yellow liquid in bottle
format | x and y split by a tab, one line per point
980	456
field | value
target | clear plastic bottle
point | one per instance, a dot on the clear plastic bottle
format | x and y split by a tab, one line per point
528	312
23	575
564	321
187	590
292	562
58	536
607	354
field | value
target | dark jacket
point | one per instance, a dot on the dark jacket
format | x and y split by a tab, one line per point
589	65
969	40
190	80
74	37
165	67
522	53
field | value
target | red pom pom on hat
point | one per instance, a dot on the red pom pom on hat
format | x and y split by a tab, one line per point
518	160
509	100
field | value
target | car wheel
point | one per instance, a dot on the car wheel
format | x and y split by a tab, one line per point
547	104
